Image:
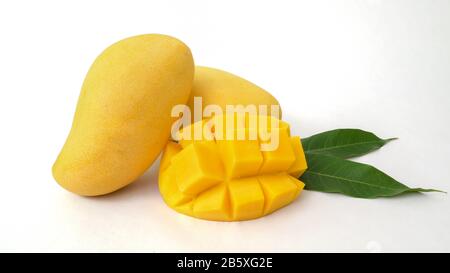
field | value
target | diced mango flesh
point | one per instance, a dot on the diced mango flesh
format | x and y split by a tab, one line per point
281	158
232	180
247	198
241	158
169	189
213	204
279	190
171	149
299	166
198	167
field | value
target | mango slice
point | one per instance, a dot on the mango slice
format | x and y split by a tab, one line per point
232	179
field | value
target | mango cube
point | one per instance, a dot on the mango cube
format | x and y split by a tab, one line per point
267	123
168	186
279	190
171	149
282	157
241	158
199	167
299	166
247	198
300	185
185	208
213	204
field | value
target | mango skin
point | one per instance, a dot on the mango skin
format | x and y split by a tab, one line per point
219	87
123	115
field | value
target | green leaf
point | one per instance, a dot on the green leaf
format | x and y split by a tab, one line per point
344	143
331	174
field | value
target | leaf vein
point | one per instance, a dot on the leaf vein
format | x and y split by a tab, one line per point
354	181
344	146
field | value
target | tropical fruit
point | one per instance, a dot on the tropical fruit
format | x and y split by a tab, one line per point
123	116
231	179
217	87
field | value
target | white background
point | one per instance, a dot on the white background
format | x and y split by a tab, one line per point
382	66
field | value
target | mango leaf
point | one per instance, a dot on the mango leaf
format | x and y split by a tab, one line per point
332	174
344	143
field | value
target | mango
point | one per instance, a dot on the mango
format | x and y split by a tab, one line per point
231	179
218	87
123	116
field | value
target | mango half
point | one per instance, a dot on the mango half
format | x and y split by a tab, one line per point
231	180
123	117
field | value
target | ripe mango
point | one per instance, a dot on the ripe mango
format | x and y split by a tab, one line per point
123	115
231	179
222	88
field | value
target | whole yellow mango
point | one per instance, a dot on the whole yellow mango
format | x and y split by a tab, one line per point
123	116
221	88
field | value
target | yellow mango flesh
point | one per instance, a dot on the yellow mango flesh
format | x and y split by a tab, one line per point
122	119
218	87
198	167
231	180
240	125
241	158
299	166
247	198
